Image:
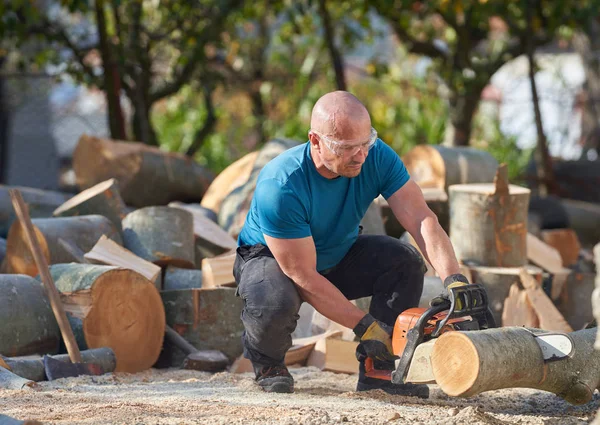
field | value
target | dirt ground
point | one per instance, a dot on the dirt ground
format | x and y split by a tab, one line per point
187	397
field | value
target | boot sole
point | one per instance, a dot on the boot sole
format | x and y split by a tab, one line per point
279	386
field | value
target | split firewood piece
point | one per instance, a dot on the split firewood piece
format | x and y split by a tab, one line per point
566	242
334	355
518	310
543	255
24	307
102	199
235	175
81	232
33	368
147	175
549	316
439	166
218	271
161	235
176	278
113	307
489	222
110	253
10	381
40	203
209	235
468	363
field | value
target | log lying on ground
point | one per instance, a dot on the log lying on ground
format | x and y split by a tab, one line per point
161	235
236	204
41	204
176	278
110	253
55	236
489	222
102	199
113	307
566	242
147	175
10	381
33	369
575	302
218	271
468	363
29	325
232	177
440	166
583	218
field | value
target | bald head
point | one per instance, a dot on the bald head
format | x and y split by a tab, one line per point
341	116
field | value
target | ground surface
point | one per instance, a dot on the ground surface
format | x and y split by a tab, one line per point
186	397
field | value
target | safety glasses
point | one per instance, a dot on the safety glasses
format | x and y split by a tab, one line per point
343	148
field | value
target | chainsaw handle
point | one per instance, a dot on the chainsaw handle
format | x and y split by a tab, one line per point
474	302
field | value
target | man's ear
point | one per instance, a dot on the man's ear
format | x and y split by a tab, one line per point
314	142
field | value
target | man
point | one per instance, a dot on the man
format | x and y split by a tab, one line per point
301	242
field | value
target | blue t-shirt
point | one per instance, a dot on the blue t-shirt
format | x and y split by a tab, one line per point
292	200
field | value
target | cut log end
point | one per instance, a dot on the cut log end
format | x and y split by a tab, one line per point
19	258
461	362
134	329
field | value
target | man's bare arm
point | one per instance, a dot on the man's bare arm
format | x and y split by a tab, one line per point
298	260
411	210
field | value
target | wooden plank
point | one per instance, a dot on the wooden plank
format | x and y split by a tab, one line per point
549	316
218	271
109	252
334	355
543	255
566	242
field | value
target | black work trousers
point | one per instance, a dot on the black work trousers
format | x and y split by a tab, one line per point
379	266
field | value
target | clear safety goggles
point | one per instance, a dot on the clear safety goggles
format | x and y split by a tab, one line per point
343	148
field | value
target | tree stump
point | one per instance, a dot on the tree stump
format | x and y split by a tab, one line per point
30	327
161	235
468	363
41	204
57	237
439	166
102	199
488	222
113	307
176	278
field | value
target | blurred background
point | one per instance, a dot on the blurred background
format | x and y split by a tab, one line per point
216	79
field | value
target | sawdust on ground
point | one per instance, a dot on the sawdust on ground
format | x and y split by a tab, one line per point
188	397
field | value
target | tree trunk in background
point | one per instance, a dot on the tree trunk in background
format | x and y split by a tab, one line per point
462	111
336	57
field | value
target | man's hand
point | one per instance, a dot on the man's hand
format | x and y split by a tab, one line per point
452	281
375	339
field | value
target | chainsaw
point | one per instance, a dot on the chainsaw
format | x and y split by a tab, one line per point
466	309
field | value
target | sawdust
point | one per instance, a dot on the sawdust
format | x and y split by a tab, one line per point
188	397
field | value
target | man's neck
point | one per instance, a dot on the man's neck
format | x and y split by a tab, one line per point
320	165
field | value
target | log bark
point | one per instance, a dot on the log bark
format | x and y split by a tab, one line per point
81	232
575	302
31	328
115	308
468	363
10	381
2	250
102	199
436	166
488	224
176	278
147	176
161	235
33	369
232	177
41	204
497	282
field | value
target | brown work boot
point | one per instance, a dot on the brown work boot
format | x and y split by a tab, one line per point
275	379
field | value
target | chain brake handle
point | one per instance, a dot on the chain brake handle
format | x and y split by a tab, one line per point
473	301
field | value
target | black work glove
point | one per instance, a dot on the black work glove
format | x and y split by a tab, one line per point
451	281
375	340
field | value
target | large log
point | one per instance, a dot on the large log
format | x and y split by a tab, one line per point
440	167
10	381
102	199
41	204
30	327
488	224
176	278
115	308
468	363
575	299
236	204
2	249
55	236
161	235
232	177
578	180
33	369
147	175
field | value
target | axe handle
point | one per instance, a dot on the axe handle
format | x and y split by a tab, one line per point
177	340
42	265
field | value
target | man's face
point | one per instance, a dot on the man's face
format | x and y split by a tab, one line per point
346	157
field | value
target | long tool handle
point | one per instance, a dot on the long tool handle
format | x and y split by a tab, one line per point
42	265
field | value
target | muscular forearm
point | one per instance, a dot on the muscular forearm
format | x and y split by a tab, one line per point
436	247
327	299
